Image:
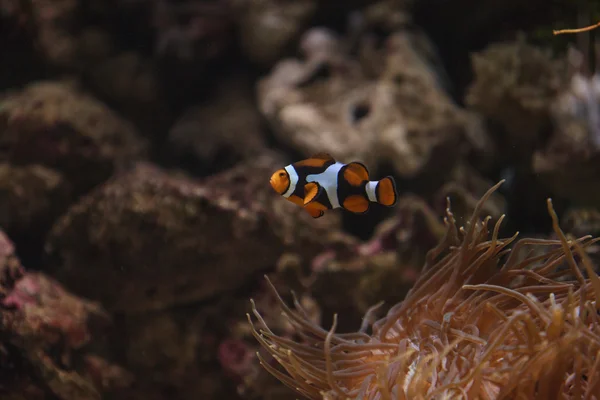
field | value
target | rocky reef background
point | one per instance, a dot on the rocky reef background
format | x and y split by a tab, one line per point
137	138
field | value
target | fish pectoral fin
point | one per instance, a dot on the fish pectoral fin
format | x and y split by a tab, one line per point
355	173
311	192
357	204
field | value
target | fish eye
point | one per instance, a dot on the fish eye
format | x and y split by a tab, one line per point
282	174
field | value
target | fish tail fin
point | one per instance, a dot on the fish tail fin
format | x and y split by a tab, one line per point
386	192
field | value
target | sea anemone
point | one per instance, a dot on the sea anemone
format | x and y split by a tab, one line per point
484	321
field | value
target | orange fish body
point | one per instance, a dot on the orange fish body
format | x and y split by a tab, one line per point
321	183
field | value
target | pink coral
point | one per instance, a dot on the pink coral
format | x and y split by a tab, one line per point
236	358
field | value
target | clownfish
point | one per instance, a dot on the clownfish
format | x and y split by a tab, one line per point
321	183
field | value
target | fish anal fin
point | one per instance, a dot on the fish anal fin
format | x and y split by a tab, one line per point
357	204
311	191
386	192
355	173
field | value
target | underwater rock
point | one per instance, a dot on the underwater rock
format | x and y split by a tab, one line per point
186	30
386	266
569	164
464	187
349	276
10	266
60	38
175	351
203	350
113	381
327	103
380	269
387	15
459	33
59	127
584	221
131	83
237	348
31	198
514	87
215	136
413	229
359	284
369	30
96	45
47	333
247	185
268	28
94	40
91	51
193	40
50	327
236	359
158	240
190	31
20	62
55	22
485	21
150	239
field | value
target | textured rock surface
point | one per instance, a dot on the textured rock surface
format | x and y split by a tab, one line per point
150	239
57	126
10	265
327	103
294	227
515	86
130	83
464	186
175	352
267	28
31	198
570	162
56	22
47	334
204	351
208	139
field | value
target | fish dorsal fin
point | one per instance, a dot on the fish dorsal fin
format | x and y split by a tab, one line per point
318	160
311	192
356	173
323	156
